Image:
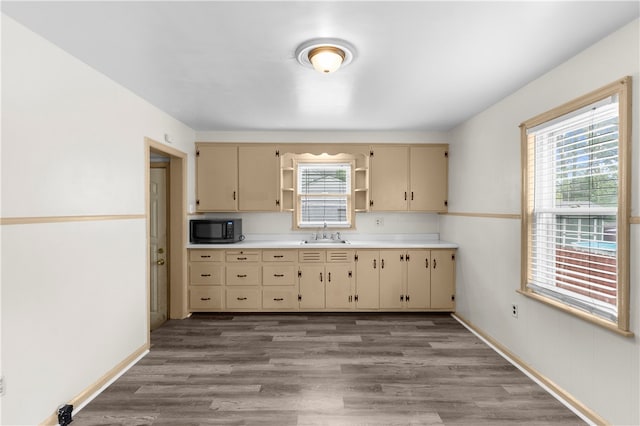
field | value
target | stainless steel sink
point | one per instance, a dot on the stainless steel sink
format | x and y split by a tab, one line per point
325	241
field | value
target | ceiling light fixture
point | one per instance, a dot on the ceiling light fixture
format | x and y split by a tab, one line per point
325	55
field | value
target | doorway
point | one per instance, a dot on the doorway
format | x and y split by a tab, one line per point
158	230
166	233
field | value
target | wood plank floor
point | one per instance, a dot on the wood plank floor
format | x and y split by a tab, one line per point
322	369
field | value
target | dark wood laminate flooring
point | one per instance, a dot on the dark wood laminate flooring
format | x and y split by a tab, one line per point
322	369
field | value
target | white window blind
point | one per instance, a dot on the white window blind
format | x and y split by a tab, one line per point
573	232
324	193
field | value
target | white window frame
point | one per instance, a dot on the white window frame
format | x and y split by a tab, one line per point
531	284
328	159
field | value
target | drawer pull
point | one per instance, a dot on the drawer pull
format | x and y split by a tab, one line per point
241	298
205	298
278	275
204	256
242	275
278	256
242	258
278	299
205	275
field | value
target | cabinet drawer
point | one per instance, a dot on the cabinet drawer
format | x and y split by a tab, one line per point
206	255
279	275
278	256
205	298
314	256
339	256
203	273
243	256
279	298
243	298
243	274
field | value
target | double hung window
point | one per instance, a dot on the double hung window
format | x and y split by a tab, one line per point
324	194
576	206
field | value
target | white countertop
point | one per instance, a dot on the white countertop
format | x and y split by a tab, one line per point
356	241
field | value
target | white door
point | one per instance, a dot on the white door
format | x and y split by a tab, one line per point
158	246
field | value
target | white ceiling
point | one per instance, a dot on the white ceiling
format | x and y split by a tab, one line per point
419	65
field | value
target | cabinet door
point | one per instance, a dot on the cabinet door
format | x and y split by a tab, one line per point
428	180
216	178
258	178
443	266
392	279
367	280
312	281
389	178
418	279
338	286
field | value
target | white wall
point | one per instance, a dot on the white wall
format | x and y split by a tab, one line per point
73	293
598	367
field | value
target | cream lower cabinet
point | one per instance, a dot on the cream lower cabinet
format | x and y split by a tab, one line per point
206	280
339	288
279	280
243	279
367	291
321	280
325	278
405	281
443	270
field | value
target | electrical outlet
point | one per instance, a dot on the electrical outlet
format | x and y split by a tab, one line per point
379	221
514	311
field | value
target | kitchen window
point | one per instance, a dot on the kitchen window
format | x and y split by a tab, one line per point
575	230
323	191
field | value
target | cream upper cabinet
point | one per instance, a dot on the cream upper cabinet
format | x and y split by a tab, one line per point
258	178
389	178
428	167
412	178
443	267
216	177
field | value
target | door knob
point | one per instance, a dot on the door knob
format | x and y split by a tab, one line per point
160	262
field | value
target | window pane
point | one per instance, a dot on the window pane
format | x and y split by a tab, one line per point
574	224
317	211
329	178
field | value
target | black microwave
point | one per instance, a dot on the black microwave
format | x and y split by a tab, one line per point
215	231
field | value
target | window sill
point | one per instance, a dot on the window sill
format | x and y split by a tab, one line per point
577	312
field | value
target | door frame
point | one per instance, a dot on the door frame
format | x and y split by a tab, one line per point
176	226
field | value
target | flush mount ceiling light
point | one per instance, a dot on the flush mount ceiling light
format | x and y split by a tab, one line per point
325	55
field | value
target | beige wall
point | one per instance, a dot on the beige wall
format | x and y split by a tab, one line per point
599	368
74	296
